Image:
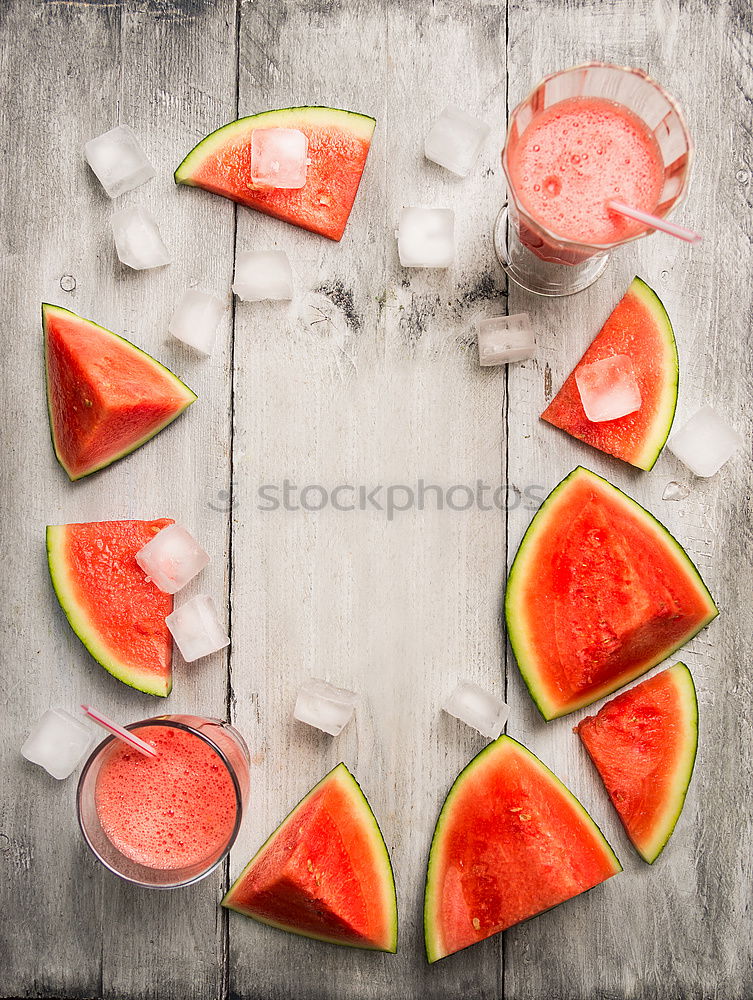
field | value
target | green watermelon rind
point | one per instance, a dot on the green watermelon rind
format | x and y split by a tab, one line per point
431	894
685	773
351	121
515	631
655	442
385	884
189	394
684	770
77	618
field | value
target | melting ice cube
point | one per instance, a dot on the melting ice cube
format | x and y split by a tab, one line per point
172	558
502	339
455	140
196	319
324	706
263	274
196	628
608	388
118	160
705	442
477	708
426	237
675	491
279	157
58	742
138	240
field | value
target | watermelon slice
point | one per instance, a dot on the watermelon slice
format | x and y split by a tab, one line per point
510	842
640	329
325	872
105	396
115	611
643	744
598	593
338	146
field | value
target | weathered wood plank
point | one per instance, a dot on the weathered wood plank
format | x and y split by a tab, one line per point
70	71
682	927
368	378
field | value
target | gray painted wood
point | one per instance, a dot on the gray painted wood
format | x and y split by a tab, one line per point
368	377
69	72
682	926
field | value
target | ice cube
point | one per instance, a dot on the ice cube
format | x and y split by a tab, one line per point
455	140
705	442
58	742
263	274
279	157
426	237
195	320
477	708
675	491
324	706
118	160
505	338
137	239
608	388
172	558
196	628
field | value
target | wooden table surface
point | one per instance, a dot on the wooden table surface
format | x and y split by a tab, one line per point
370	376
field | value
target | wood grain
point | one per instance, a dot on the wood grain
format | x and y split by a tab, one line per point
681	927
70	72
368	378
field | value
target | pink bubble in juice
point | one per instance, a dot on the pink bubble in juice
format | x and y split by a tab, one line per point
168	820
577	155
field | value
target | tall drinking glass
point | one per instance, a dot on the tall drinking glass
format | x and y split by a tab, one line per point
167	821
532	253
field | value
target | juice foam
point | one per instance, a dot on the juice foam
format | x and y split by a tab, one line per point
172	812
576	155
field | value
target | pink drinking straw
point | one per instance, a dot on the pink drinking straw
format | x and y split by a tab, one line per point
122	734
654	221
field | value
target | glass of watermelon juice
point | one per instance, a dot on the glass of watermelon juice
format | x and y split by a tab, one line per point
167	821
584	136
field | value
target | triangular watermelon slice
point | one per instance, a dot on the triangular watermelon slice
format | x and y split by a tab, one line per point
643	743
325	872
116	612
105	396
599	592
510	842
638	328
339	143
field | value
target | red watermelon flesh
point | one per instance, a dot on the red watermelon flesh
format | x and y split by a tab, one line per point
598	593
339	143
639	329
510	842
643	743
117	613
325	872
105	396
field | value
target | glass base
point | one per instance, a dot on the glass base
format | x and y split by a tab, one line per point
539	276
